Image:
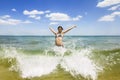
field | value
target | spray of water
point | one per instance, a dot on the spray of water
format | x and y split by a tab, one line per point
32	65
78	63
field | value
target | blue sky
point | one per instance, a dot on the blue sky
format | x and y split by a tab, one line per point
34	17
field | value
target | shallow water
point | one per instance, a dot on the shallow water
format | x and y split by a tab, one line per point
83	57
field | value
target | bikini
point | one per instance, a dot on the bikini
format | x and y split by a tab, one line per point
59	35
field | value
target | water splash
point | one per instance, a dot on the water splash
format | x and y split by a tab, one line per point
32	65
59	51
80	64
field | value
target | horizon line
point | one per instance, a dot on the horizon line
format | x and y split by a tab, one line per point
65	35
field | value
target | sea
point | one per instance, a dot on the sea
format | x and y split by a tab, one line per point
81	58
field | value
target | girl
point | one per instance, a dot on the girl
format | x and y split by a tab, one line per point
59	35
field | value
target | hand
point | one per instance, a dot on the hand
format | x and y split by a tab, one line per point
74	26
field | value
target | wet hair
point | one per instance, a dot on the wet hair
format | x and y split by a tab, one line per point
60	27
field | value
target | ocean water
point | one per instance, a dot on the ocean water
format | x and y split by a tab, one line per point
83	57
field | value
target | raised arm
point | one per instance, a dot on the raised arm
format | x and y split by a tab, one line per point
69	29
52	30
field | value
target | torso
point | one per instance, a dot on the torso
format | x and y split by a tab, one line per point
58	39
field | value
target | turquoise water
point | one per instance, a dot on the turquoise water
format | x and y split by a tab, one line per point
87	56
70	42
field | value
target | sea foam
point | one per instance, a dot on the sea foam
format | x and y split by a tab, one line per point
78	63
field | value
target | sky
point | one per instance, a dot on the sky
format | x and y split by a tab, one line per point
34	17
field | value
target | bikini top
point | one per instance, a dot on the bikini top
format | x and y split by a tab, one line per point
58	35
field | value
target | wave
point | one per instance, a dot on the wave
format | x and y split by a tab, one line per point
85	62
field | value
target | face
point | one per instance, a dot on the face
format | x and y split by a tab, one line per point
59	29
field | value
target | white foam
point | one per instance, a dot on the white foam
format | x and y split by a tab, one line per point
59	51
80	63
32	65
36	65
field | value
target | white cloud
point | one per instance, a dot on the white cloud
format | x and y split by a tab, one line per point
27	21
13	21
32	16
35	14
61	17
77	18
7	20
5	16
14	9
47	11
110	17
53	23
38	17
58	17
114	7
106	3
107	18
35	17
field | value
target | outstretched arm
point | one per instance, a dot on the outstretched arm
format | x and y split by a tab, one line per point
52	30
69	29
